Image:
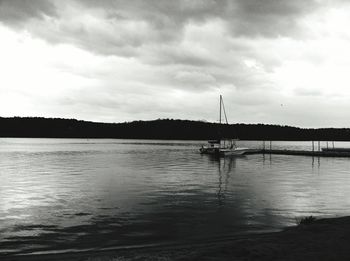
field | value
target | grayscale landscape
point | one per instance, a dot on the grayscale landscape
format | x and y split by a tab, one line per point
174	130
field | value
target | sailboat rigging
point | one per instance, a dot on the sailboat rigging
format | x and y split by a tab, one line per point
221	146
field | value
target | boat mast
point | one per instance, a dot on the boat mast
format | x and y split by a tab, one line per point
223	107
220	107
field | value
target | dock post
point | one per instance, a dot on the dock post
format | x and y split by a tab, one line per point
333	144
327	144
313	146
263	145
270	145
319	146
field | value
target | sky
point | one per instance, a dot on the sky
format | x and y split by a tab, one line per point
274	61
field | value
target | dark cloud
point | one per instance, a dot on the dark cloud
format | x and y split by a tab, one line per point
147	52
269	18
161	13
15	12
154	30
247	17
134	23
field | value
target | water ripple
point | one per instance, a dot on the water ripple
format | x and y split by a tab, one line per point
62	194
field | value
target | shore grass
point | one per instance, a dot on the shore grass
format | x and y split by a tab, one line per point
320	239
306	220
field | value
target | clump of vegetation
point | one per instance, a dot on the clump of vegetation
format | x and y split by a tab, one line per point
306	220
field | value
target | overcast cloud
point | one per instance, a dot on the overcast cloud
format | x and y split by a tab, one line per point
274	61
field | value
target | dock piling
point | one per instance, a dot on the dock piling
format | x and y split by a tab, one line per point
322	153
315	152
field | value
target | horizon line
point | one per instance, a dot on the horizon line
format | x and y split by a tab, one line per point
163	119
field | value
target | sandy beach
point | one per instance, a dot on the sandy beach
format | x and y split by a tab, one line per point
323	239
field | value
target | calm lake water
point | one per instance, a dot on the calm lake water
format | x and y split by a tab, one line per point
61	195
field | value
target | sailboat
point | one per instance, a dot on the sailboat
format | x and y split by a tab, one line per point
222	147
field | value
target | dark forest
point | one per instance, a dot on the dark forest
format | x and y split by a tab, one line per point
161	129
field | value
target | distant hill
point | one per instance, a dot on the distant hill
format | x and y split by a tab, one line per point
160	129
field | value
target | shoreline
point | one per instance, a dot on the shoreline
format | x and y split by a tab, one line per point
322	239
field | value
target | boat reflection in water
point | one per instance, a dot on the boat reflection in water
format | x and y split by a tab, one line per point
225	167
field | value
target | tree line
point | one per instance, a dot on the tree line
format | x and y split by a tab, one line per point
37	127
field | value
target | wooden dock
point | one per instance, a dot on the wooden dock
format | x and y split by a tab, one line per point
325	153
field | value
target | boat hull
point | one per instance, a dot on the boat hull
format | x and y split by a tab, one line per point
233	152
224	152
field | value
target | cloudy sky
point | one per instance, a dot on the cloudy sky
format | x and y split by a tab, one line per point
274	61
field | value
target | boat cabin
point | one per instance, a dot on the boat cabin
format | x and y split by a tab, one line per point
214	143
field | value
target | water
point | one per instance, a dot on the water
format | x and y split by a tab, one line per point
61	195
